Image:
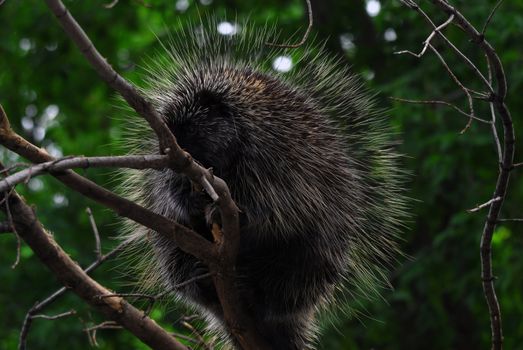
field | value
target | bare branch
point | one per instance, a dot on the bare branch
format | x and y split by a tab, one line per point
497	99
240	324
195	332
39	306
305	36
497	143
91	331
55	317
10	168
494	127
486	204
461	86
185	238
437	102
98	249
508	220
12	226
133	162
463	57
111	4
426	43
109	75
487	22
18	250
70	274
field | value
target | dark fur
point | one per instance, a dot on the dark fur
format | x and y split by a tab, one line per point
307	161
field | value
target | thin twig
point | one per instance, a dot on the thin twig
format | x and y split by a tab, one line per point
426	43
465	59
508	220
185	238
91	331
111	4
98	249
305	36
494	127
13	166
55	317
194	331
10	222
461	86
497	143
489	18
437	102
104	325
12	225
39	306
486	204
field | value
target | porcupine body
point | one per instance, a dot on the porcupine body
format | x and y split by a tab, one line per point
308	161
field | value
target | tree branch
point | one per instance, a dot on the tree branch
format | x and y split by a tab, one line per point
506	155
57	165
39	306
72	276
186	239
426	43
498	98
181	162
305	36
489	18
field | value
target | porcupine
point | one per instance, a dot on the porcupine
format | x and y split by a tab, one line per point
308	159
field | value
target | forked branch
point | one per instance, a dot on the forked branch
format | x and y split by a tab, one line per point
505	149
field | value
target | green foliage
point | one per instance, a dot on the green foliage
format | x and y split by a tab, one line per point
437	301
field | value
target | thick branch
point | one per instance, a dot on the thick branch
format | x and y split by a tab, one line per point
186	239
109	75
72	276
132	162
183	163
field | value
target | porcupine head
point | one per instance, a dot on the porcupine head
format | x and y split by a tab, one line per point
308	159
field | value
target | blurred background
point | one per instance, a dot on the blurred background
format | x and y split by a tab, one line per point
55	99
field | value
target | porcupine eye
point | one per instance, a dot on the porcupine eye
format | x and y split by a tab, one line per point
206	130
